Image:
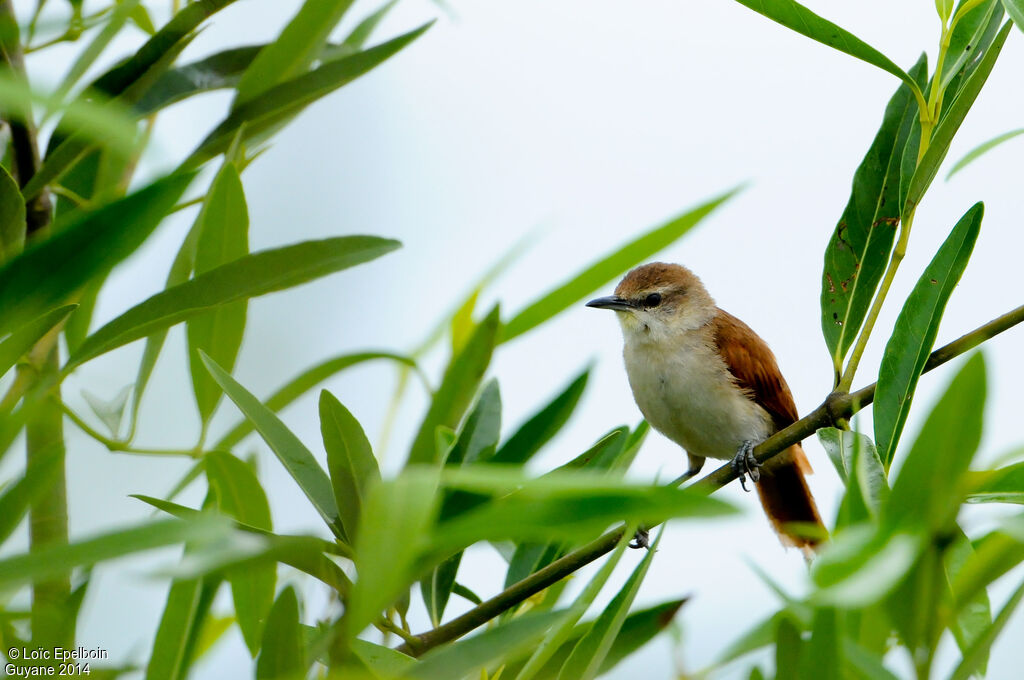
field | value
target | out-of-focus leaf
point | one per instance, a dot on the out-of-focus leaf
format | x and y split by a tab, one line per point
223	238
384	661
928	491
868	664
1015	8
758	636
295	457
914	334
608	267
109	412
584	662
982	149
542	426
822	657
58	559
492	647
944	8
282	654
796	17
257	274
304	382
12	217
563	630
350	459
861	469
140	17
362	32
77	327
217	71
941	138
856	256
1003	485
19	496
459	384
84	246
240	495
187	604
788	648
112	25
861	565
994	554
18	343
294	49
975	657
975	617
288	98
394	528
967	41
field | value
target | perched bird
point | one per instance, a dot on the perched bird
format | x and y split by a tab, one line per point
706	381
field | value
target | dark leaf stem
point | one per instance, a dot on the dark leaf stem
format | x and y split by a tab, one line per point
838	406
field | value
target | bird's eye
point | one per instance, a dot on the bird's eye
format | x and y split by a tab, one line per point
652	300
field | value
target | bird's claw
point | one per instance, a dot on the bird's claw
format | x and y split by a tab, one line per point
744	464
641	539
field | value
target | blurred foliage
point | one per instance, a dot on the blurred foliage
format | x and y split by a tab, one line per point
897	576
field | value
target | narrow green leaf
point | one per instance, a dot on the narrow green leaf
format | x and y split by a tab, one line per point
384	661
494	646
929	164
822	657
403	510
12	217
861	565
109	412
967	41
350	459
281	654
288	98
18	343
860	468
975	617
306	381
914	334
796	17
788	648
58	559
240	495
111	27
975	657
294	49
1015	8
257	274
84	246
995	554
542	426
223	225
982	149
364	29
169	659
458	386
1003	485
295	457
609	267
584	663
929	489
944	8
858	251
217	71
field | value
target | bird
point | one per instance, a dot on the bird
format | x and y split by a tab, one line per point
709	383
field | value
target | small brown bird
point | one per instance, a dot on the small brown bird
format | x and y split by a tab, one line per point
706	381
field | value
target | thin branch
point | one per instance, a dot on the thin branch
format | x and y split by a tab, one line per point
836	407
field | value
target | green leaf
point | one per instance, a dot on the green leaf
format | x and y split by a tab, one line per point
458	386
914	334
306	381
223	225
928	491
995	554
240	495
350	459
788	644
941	138
140	17
109	412
975	657
609	267
796	17
494	646
944	8
584	663
20	495
18	343
295	457
1015	8
861	565
217	71
384	661
1003	485
982	149
84	246
362	32
85	59
861	469
542	426
58	559
257	274
967	41
294	50
858	251
822	657
403	510
12	217
281	654
975	617
288	98
188	602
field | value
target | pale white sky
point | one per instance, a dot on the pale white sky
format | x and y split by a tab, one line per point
585	122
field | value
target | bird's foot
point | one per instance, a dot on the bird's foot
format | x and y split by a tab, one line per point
641	539
744	464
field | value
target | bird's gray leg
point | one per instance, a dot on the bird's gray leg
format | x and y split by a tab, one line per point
744	463
696	463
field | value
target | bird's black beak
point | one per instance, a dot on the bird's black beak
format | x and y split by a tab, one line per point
612	302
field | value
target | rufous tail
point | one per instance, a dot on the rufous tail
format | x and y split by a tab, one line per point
788	501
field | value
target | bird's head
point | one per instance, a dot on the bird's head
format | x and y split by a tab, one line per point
659	300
